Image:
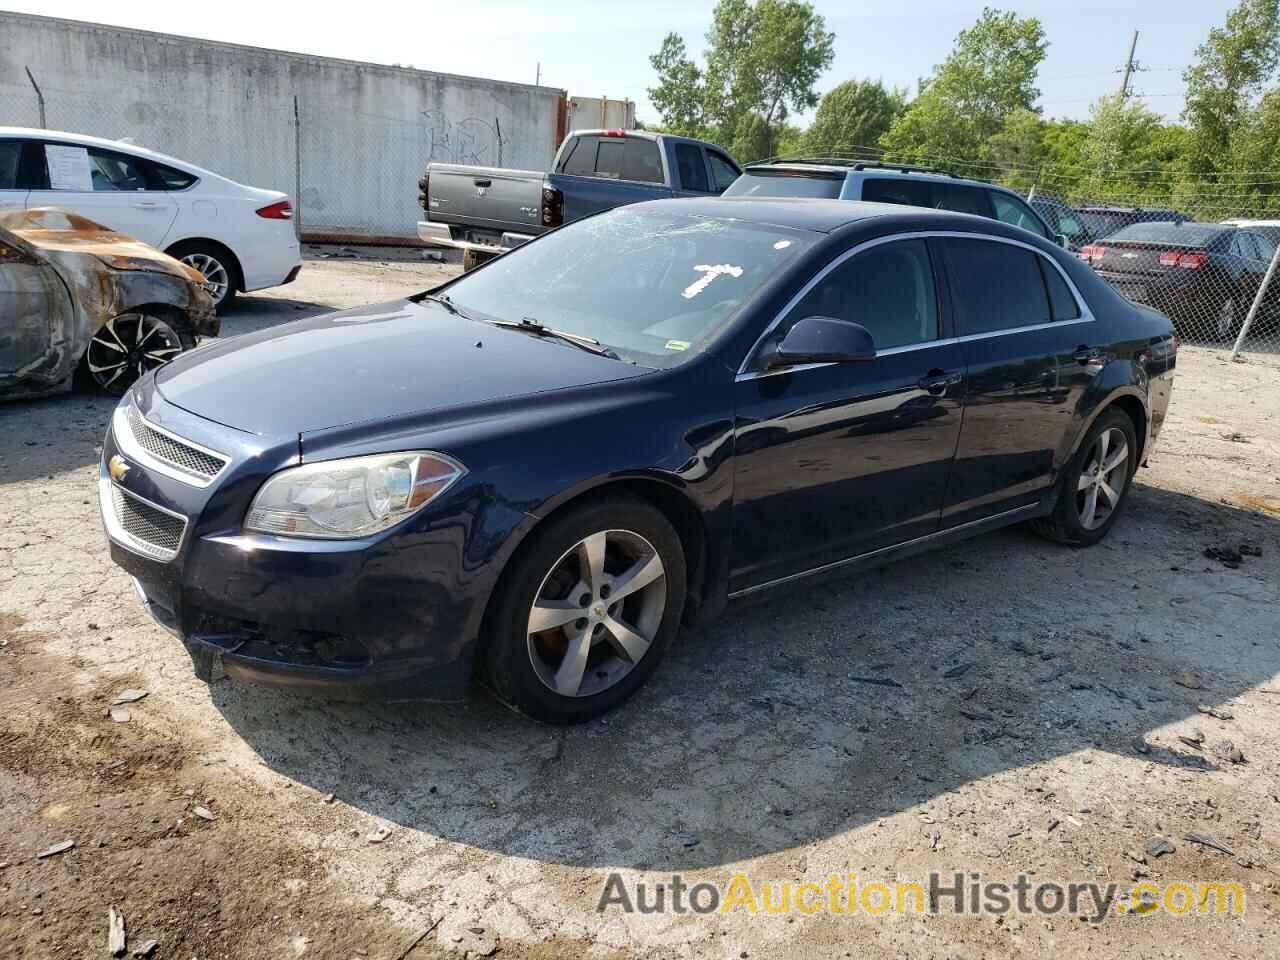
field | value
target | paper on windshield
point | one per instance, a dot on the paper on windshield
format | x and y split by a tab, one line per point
68	167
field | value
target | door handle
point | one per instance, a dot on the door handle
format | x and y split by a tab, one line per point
1086	355
486	182
146	204
937	382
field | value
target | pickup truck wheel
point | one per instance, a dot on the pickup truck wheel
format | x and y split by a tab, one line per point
475	258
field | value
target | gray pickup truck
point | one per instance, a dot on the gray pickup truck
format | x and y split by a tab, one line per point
487	210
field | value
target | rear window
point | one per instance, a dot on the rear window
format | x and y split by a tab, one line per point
757	183
617	158
171	179
997	286
1173	234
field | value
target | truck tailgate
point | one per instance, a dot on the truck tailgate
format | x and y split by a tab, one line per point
489	198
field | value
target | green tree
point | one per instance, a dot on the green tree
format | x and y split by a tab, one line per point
855	114
1018	150
762	62
1230	70
990	74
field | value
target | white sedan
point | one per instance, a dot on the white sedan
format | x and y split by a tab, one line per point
241	238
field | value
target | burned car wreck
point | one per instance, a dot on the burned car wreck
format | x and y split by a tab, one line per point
80	302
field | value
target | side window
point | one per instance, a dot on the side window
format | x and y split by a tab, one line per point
914	193
723	173
1070	225
996	286
693	175
888	289
1062	302
10	161
640	160
1266	249
948	196
1014	211
167	178
581	160
116	171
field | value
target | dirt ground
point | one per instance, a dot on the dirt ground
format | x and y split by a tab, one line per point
1002	706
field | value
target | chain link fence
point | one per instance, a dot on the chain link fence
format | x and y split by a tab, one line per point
1204	253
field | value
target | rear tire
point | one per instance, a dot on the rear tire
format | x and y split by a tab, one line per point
1094	486
608	621
216	264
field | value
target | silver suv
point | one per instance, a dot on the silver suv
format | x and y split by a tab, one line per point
833	178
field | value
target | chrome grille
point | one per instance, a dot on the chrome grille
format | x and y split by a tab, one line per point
148	529
181	456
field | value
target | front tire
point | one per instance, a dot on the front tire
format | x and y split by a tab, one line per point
586	611
1094	485
130	345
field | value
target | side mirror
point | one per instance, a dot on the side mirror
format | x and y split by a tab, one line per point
1062	240
822	340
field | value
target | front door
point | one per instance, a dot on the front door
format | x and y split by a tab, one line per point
114	189
36	313
1029	353
837	460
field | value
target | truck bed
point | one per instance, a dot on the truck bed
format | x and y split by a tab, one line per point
488	198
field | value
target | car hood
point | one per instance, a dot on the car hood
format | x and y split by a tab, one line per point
371	364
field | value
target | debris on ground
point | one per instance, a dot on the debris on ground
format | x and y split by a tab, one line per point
1227	750
1250	550
1189	679
146	949
128	696
330	797
879	681
119	715
1159	846
1204	840
378	835
1229	557
959	670
116	943
685	839
204	813
1194	739
56	849
1219	712
1135	856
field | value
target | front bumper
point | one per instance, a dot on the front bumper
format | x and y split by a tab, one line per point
390	617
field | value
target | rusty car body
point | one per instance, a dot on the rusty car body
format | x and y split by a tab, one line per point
79	299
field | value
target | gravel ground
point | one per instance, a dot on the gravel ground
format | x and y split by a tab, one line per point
1025	713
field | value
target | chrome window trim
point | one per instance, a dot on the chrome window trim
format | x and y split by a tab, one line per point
1086	315
130	445
106	487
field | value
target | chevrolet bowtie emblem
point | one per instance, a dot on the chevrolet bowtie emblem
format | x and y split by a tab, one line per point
117	467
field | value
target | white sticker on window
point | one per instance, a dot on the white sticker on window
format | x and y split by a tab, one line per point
782	244
677	344
68	167
709	273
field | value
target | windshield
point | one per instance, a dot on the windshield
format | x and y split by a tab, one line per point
654	286
757	183
1171	234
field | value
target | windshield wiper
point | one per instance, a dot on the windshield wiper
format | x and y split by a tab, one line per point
529	325
444	301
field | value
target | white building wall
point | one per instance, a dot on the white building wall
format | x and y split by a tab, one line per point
364	133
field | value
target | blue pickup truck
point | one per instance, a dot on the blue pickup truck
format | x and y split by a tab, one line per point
487	210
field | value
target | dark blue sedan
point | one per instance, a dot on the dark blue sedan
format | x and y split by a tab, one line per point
534	474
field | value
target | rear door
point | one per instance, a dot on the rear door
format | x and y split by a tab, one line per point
107	186
1027	347
723	171
838	460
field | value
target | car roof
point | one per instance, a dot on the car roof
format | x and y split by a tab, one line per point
869	168
1242	222
806	213
119	146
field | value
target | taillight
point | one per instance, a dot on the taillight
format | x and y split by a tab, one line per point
1092	252
423	182
281	210
1192	261
552	207
1169	258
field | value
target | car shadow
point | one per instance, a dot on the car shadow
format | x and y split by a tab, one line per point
809	711
248	313
43	438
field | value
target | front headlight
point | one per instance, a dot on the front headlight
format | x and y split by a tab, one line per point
356	497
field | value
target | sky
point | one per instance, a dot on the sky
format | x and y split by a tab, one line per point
602	47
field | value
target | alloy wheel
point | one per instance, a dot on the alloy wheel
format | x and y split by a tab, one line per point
596	613
1103	478
214	273
128	346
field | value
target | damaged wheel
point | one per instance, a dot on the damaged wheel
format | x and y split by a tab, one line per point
219	271
130	345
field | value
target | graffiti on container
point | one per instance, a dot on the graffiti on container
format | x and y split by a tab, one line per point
473	140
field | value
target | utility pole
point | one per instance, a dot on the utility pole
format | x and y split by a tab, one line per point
1128	69
537	76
